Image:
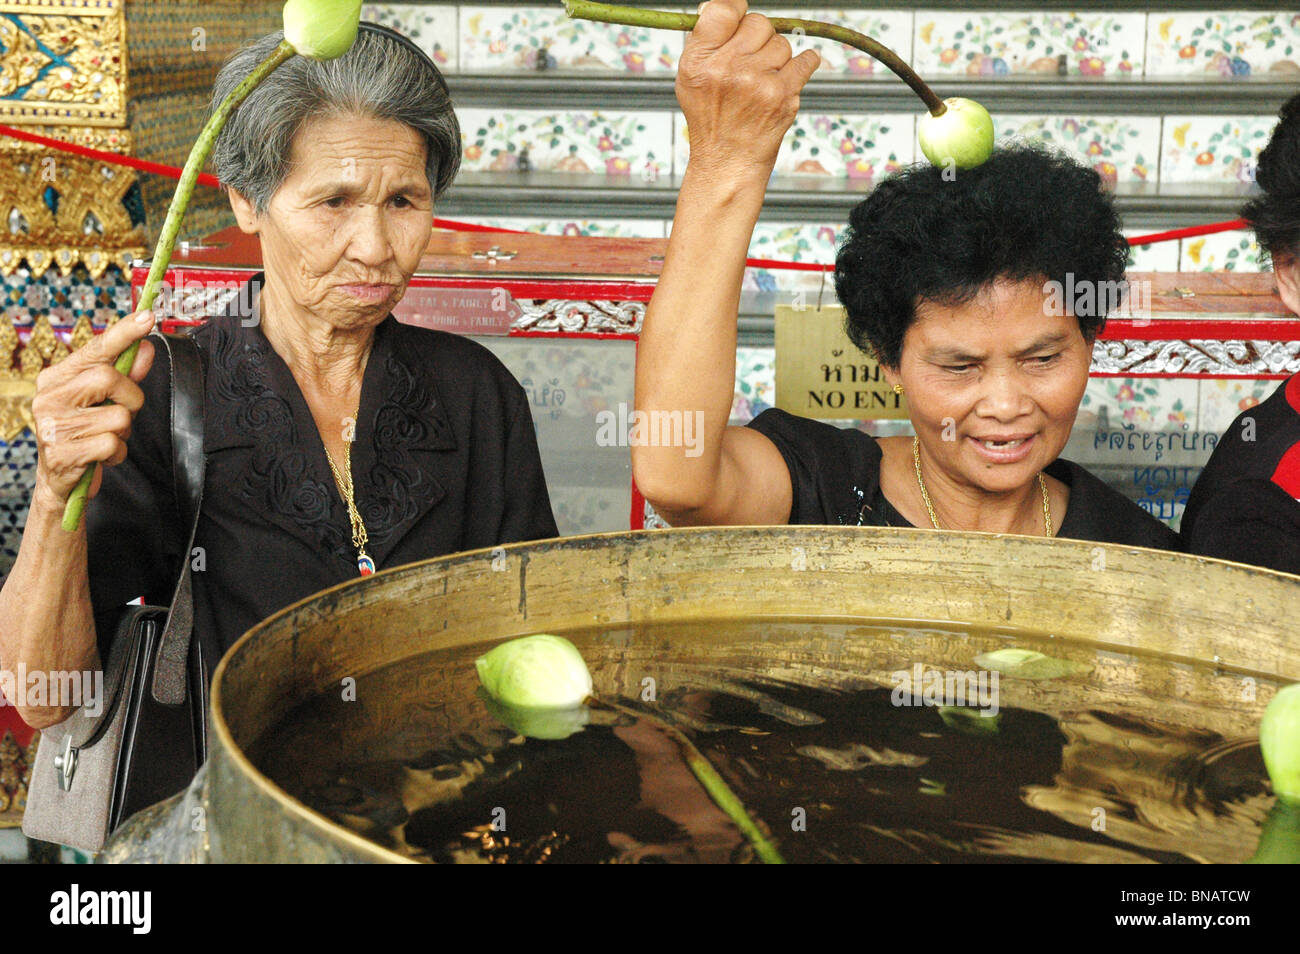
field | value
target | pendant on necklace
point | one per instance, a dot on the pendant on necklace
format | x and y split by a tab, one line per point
365	564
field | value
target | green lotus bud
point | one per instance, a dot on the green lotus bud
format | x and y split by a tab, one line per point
535	672
321	29
1279	740
962	135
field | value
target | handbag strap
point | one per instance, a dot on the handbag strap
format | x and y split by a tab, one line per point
187	478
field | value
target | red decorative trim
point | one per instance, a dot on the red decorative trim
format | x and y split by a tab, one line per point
1293	393
603	336
593	289
1207	329
598	289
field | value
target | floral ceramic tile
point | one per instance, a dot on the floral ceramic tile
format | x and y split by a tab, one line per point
755	383
793	243
991	44
853	147
892	28
856	147
615	143
508	39
1222	399
1213	148
583	510
1143	404
432	27
604	228
1158	257
1223	252
1223	44
1120	148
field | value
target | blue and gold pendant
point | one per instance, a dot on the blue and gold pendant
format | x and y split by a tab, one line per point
365	564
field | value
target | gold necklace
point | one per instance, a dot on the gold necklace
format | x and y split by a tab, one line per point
364	563
929	507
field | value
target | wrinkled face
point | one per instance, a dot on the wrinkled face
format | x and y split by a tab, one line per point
994	385
345	231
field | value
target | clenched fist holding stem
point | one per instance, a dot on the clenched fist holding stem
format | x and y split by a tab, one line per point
738	86
74	430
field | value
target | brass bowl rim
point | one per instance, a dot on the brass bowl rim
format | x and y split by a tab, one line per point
376	852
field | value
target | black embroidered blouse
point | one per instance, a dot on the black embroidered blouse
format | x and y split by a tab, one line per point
444	459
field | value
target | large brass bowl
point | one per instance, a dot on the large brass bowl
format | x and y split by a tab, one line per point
1186	631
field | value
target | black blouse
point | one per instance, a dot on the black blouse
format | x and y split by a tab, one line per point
835	480
1246	503
444	459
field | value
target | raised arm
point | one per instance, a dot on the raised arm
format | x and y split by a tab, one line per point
738	87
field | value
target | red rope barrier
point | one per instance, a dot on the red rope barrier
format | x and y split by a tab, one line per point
1189	232
114	158
209	180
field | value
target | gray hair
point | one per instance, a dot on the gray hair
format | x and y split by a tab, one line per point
378	77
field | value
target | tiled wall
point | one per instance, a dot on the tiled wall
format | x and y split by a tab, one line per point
1184	149
1216	42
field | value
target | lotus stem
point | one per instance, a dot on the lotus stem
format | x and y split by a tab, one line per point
708	776
76	504
664	20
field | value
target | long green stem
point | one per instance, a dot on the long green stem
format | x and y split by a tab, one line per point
713	783
664	20
162	255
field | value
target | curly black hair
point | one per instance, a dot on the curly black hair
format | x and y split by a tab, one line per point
929	235
1275	214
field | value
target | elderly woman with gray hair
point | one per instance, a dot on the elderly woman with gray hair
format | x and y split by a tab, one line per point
337	440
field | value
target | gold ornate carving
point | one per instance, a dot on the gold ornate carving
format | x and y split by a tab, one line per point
18	384
63	62
91	226
63	76
15	776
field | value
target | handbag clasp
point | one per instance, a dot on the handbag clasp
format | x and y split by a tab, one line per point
66	764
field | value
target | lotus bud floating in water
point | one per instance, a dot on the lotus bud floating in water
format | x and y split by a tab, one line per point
536	672
955	132
318	29
540	687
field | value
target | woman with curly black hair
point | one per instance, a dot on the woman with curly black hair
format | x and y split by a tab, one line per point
981	294
1246	504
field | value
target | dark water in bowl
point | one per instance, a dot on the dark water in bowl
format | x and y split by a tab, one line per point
1128	758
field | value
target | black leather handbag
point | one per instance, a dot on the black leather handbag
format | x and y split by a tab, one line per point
149	737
